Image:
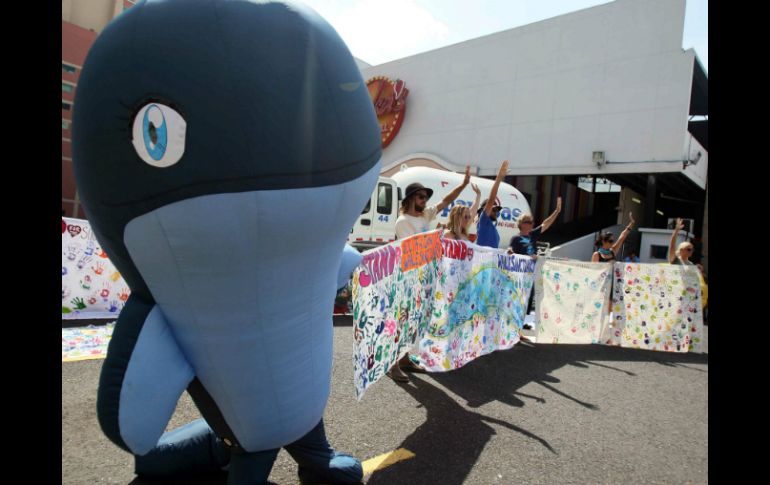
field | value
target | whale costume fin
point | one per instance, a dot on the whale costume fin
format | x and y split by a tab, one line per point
142	378
350	259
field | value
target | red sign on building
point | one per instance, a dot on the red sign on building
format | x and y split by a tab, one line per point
389	98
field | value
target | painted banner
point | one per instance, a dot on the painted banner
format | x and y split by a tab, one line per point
392	292
572	301
453	300
478	307
85	343
91	287
656	307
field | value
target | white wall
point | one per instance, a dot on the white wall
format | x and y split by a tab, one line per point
544	96
658	237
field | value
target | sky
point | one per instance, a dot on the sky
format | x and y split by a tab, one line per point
378	31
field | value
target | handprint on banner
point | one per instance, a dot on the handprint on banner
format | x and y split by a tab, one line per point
65	292
99	268
78	302
123	295
92	299
113	306
105	293
71	252
90	246
63	270
115	276
85	283
83	261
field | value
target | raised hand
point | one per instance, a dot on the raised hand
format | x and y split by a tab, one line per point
476	189
504	168
467	178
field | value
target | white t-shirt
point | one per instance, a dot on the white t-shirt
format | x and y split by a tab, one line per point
407	225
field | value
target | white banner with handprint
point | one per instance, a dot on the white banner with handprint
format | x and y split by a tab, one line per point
91	287
572	299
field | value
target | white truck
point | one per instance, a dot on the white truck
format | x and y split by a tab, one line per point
377	223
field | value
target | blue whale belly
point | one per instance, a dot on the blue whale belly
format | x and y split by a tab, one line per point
247	283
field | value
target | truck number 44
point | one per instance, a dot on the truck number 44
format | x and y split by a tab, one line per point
383	218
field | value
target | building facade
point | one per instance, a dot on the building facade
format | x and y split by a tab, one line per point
82	20
595	106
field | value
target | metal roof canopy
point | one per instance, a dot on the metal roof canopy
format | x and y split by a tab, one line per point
675	184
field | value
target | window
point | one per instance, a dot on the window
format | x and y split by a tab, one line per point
68	68
384	199
368	206
65	124
67	88
602	184
659	252
66	106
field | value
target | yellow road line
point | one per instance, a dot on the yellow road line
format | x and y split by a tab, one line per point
386	459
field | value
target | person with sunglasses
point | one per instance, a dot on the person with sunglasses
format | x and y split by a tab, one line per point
416	215
607	245
682	254
526	241
486	232
415	218
460	219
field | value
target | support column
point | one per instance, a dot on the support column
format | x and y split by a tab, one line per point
649	202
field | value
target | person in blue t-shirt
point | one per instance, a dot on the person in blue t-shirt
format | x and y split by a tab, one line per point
526	241
486	232
632	258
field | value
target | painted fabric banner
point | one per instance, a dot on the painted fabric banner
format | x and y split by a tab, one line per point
85	343
91	287
393	289
479	305
656	307
572	300
454	300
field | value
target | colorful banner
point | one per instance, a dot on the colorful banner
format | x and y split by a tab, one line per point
479	305
656	307
91	287
392	295
454	300
572	301
85	343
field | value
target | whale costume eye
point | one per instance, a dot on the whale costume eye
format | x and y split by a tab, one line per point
159	135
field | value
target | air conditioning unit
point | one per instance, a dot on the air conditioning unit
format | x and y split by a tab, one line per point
599	159
689	225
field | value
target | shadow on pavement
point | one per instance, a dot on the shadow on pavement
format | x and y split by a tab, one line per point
452	438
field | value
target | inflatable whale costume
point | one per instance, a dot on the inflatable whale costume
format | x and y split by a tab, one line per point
223	150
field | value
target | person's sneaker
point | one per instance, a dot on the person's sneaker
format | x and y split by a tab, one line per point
410	366
397	374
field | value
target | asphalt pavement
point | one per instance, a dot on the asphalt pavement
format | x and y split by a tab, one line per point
537	413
